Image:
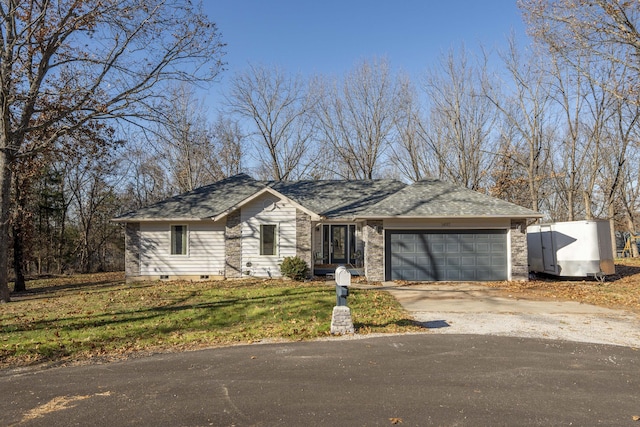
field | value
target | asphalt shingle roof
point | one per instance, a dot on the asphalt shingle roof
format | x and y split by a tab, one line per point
203	202
435	198
336	199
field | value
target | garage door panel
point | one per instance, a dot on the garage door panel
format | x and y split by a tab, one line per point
485	274
406	249
468	242
438	248
401	262
484	261
498	247
468	261
454	248
406	275
423	260
483	247
452	275
446	256
453	261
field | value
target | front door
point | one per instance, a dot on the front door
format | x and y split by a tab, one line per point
339	244
339	249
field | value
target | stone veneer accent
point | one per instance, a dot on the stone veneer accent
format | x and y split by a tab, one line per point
233	245
132	249
519	254
303	238
373	251
341	322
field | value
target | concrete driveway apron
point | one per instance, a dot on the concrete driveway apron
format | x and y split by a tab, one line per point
463	308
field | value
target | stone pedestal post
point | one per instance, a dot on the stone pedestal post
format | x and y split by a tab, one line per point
341	322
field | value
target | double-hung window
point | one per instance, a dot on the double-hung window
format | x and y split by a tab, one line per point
268	240
178	240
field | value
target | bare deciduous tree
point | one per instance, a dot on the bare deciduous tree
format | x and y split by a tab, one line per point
183	139
592	34
67	63
410	154
600	30
568	160
276	108
92	204
461	120
146	180
357	118
526	119
229	143
616	160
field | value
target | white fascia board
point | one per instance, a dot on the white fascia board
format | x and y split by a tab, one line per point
159	219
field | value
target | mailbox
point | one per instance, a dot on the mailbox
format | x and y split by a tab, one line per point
343	281
343	277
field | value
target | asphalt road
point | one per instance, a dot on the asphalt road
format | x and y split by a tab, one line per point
408	380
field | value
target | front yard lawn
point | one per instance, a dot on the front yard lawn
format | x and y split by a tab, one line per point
100	317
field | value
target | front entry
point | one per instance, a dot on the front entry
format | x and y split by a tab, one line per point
339	244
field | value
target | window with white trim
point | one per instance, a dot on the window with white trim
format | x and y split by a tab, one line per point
268	240
178	240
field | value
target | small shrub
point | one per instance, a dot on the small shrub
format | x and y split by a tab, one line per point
294	267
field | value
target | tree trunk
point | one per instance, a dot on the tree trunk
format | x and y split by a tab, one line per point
612	231
19	284
612	234
631	228
5	194
588	214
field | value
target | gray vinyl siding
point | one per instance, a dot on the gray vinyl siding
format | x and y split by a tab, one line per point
267	210
205	249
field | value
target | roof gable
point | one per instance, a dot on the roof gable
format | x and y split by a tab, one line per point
258	194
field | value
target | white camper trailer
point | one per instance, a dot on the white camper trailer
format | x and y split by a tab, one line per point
571	249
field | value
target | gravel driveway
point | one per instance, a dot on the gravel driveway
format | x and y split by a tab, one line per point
475	309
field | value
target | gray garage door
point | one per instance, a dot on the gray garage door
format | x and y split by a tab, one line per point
472	255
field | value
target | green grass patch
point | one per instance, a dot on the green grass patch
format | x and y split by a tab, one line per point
88	316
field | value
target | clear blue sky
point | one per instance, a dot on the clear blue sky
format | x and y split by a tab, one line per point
329	36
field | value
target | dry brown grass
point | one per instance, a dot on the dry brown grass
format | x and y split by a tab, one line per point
621	290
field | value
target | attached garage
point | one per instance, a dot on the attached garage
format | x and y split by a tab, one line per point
433	255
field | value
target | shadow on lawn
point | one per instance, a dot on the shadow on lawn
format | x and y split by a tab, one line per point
204	313
47	291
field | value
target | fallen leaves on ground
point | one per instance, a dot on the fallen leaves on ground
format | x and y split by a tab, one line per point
100	317
621	290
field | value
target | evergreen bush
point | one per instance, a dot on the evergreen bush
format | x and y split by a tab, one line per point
294	267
